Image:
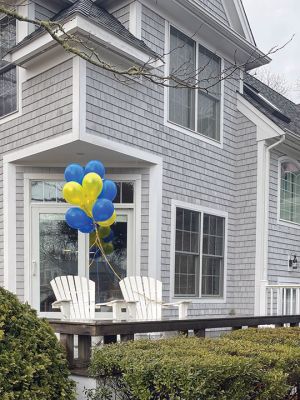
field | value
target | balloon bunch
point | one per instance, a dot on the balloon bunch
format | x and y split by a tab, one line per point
93	195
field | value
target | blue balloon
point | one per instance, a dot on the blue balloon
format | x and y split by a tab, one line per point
95	166
76	218
109	190
103	209
74	172
109	238
87	228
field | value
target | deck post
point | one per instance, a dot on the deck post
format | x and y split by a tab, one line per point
67	341
84	349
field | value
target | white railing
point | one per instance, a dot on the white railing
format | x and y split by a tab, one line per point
282	299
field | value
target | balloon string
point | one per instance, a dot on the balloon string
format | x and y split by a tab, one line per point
99	244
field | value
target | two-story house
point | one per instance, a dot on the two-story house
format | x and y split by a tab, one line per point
209	199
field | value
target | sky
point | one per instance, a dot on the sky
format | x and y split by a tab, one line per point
273	22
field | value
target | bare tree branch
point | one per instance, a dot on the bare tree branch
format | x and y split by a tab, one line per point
185	76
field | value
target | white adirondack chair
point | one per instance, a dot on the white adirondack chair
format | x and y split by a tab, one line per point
75	297
143	297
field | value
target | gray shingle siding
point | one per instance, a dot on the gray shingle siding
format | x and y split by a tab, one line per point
193	171
46	112
153	30
123	15
216	8
283	240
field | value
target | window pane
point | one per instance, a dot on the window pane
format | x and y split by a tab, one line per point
8	91
290	192
213	256
8	88
187	263
208	116
209	72
50	191
209	98
37	191
179	218
186	275
127	192
212	276
183	67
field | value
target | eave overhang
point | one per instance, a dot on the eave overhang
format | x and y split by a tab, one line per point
42	42
245	51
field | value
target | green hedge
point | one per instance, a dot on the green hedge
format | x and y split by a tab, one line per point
248	364
32	362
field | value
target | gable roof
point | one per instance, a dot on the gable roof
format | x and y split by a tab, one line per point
88	9
282	111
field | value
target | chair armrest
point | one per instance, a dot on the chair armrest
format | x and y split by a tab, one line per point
110	303
182	307
59	303
65	307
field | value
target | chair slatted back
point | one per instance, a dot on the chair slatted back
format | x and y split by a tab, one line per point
80	291
147	292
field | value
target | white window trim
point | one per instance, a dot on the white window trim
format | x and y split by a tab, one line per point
136	207
173	125
198	208
281	221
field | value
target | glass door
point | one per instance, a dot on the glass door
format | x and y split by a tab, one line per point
57	249
106	273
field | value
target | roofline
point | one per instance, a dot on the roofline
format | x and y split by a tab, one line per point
271	129
24	52
260	58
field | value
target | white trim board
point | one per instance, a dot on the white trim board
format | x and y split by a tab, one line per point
10	161
201	209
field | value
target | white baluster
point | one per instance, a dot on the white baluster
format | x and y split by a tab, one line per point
271	302
297	301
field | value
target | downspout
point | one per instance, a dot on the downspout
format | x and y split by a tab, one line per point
264	275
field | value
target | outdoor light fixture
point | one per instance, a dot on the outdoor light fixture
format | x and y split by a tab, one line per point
293	262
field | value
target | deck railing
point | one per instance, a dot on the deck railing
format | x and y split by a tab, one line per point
282	299
111	331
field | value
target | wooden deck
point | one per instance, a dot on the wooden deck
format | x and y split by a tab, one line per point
110	331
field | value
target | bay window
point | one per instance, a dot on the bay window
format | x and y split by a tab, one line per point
199	254
8	76
192	64
290	192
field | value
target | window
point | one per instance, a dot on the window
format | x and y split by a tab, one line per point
290	192
199	270
51	191
8	79
195	110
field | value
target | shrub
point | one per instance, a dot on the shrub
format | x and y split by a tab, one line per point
193	369
32	362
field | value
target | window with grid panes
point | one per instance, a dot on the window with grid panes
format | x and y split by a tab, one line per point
44	191
290	192
198	110
8	77
199	270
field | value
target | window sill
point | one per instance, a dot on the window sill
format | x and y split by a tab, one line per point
194	134
10	117
289	224
200	300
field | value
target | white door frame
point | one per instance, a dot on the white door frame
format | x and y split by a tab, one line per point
135	221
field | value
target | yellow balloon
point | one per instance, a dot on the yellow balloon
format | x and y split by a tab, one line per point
88	205
109	221
92	185
73	193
